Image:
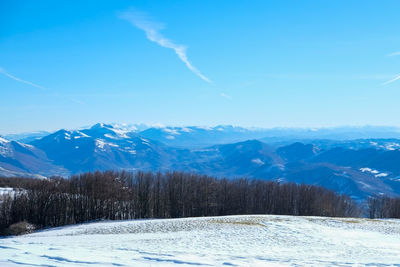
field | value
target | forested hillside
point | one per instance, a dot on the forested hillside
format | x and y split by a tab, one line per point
123	195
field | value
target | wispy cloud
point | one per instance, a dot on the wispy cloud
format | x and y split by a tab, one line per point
398	76
52	92
392	80
152	30
225	96
4	72
394	54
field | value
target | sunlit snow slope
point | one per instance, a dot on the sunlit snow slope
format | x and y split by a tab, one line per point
215	241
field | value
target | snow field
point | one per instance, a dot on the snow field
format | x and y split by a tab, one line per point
248	240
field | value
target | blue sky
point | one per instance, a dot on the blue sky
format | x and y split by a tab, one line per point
65	64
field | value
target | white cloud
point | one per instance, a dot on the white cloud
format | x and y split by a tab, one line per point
225	96
394	54
258	161
152	30
4	72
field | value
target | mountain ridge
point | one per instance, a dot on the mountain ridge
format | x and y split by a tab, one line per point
360	167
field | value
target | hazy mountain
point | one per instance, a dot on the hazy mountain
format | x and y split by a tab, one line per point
297	151
26	137
230	160
195	137
333	133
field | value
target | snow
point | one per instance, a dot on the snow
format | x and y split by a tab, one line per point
130	150
112	144
67	136
145	141
127	127
368	170
9	191
121	133
79	134
100	143
186	130
364	184
258	161
5	148
207	128
251	240
171	131
386	146
375	172
10	173
109	136
6	191
3	141
119	130
25	145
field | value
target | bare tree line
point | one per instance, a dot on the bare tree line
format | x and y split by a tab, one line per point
384	207
123	195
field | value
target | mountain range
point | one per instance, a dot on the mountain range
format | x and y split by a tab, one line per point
358	161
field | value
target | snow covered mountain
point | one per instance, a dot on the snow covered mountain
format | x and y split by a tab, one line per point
102	147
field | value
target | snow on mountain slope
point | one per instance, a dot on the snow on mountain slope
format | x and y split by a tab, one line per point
249	240
18	159
10	173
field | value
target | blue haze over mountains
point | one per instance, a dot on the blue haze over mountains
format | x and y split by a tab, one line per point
358	161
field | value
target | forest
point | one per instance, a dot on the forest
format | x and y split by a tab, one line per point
113	195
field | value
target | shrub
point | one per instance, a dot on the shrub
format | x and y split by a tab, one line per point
20	228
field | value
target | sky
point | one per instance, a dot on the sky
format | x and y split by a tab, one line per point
65	64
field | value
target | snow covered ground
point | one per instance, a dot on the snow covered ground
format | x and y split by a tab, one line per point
265	240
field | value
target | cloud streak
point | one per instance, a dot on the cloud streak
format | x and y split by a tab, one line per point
152	30
4	72
54	93
394	54
225	95
398	76
392	80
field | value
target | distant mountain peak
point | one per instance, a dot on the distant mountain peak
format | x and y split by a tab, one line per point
101	125
110	131
68	135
